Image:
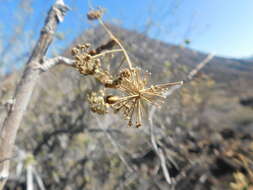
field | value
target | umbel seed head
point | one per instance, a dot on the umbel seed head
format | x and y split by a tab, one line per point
130	85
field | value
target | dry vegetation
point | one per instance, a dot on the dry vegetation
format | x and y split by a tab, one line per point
130	80
194	141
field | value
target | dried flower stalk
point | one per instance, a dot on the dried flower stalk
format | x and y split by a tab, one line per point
130	82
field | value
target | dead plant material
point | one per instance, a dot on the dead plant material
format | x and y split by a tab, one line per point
95	14
131	82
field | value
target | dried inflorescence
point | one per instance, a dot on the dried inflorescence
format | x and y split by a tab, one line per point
97	102
95	14
88	61
84	62
130	84
134	86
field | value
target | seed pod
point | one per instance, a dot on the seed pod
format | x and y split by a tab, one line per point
111	99
113	83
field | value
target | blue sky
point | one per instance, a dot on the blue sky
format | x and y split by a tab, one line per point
223	27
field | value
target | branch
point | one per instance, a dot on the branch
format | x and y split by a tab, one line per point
49	63
200	66
158	150
115	145
160	154
25	87
192	74
118	42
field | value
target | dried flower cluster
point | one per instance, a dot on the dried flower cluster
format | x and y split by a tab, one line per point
97	102
134	86
95	14
131	83
85	63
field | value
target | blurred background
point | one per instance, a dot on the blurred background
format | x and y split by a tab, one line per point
212	26
204	129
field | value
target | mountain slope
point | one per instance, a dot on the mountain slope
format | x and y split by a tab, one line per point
154	53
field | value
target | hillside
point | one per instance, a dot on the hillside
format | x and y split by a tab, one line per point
204	129
154	53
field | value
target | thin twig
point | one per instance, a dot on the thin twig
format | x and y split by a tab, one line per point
200	66
115	145
159	153
158	150
192	74
107	52
118	42
39	180
49	63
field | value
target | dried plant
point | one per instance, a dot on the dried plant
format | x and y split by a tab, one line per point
95	14
130	82
241	182
134	86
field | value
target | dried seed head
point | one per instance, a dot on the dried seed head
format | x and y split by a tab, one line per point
125	73
97	103
86	66
115	83
134	85
111	99
131	82
74	51
103	77
95	14
85	63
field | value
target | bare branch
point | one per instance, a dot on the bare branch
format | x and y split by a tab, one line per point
29	177
200	66
39	180
49	63
160	154
115	146
25	88
158	150
192	74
